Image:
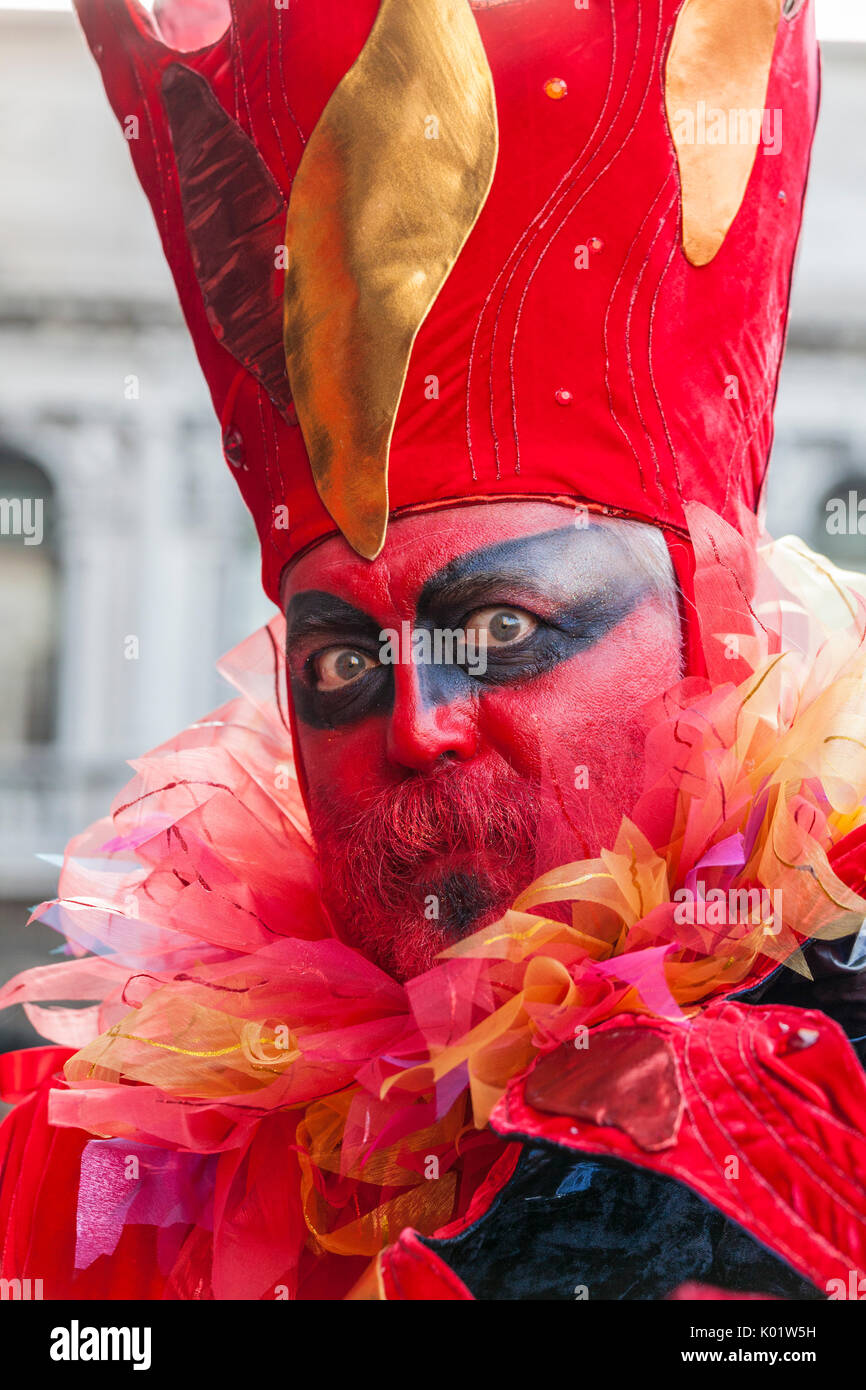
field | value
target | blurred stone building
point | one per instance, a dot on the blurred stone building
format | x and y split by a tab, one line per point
147	568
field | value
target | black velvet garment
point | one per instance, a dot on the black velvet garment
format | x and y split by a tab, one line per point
566	1228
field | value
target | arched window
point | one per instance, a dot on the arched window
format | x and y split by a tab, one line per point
29	602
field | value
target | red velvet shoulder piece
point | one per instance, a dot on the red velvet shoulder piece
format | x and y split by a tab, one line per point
761	1111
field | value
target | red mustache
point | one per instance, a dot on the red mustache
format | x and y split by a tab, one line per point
483	814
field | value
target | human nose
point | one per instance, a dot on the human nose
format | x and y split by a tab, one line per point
422	731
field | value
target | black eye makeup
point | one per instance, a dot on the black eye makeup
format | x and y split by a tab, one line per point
332	651
513	644
513	604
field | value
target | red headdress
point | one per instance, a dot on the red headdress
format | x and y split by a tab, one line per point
438	251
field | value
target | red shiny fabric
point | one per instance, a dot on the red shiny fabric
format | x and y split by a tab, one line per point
410	1272
848	860
773	1129
40	1166
39	1173
644	344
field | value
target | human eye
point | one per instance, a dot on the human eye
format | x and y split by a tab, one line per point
338	667
500	626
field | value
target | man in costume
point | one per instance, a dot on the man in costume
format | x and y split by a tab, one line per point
499	940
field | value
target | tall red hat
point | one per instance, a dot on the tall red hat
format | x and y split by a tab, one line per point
452	250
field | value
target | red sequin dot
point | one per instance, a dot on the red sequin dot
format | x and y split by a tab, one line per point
783	197
564	397
556	88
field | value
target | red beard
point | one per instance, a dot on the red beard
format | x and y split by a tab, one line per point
430	860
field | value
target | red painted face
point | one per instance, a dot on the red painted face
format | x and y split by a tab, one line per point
469	710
